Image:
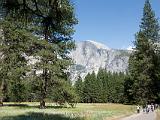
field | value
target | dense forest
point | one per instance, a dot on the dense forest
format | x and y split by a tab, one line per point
42	30
105	87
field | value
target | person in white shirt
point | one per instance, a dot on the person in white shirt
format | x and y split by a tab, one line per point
138	109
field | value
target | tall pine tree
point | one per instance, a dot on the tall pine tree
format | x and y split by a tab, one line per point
52	21
142	69
149	24
143	63
13	44
79	88
90	91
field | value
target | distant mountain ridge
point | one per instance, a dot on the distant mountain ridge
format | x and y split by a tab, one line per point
89	56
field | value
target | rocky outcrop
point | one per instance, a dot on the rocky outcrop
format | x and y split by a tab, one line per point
90	56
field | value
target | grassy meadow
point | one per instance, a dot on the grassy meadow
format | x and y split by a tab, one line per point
30	111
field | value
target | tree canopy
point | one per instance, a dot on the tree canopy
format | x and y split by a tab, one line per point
50	25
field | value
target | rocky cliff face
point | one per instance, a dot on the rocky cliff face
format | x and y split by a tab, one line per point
90	56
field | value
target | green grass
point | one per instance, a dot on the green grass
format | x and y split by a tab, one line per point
30	111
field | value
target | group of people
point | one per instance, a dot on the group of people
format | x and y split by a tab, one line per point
147	108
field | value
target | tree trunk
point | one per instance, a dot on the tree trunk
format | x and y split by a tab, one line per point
43	90
44	84
1	93
42	104
1	101
43	96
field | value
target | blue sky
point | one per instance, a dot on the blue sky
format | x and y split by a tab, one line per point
111	22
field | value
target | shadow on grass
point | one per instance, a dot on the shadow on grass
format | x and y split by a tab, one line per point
39	116
47	107
32	106
16	105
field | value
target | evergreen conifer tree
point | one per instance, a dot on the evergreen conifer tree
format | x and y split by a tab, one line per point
90	89
102	85
149	24
143	63
52	22
13	44
142	69
79	88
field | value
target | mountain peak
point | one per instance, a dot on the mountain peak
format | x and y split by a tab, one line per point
98	45
89	56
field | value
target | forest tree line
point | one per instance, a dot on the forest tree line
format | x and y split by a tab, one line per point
105	87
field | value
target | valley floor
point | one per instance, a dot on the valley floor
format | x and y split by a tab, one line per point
30	111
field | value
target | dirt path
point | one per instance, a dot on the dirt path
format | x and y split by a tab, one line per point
142	116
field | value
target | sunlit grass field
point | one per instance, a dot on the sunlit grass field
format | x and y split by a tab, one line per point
30	111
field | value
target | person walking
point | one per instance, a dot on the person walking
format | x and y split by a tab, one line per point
152	107
138	109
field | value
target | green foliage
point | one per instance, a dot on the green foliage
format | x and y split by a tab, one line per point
79	88
52	19
128	96
42	30
143	70
143	63
149	24
90	89
14	43
64	93
101	88
115	85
